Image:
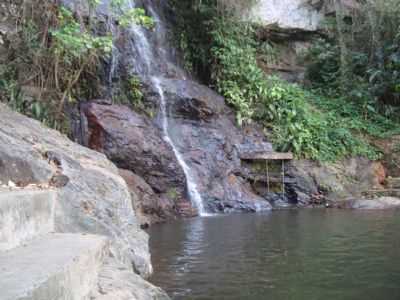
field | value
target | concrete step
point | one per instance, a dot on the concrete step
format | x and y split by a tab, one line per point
24	215
54	267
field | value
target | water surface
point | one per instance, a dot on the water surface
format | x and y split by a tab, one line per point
298	254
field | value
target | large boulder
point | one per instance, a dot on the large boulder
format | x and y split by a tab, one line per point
133	143
150	208
91	196
201	127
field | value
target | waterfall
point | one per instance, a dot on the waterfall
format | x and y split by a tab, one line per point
147	67
194	194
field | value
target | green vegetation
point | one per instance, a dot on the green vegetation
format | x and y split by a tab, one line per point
58	54
137	16
285	109
74	50
360	62
352	95
312	123
130	93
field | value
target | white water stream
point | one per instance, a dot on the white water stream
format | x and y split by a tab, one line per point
194	194
143	47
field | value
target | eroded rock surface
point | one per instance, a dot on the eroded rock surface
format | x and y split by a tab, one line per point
345	179
288	14
149	207
133	143
203	129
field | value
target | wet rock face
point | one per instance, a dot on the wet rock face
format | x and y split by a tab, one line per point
191	101
132	142
202	127
235	194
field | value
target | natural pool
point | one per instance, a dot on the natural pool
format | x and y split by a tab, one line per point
296	254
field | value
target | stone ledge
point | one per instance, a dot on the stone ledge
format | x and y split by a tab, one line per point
57	266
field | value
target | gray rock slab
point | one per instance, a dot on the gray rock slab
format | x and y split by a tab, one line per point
57	266
95	200
116	282
24	215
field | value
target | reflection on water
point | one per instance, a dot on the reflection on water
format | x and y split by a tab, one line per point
305	254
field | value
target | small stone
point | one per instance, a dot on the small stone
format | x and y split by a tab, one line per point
11	184
59	181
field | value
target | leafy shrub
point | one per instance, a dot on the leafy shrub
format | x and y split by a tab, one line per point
288	111
59	53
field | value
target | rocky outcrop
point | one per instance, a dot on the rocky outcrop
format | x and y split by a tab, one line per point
290	26
91	197
391	154
150	207
133	143
288	14
203	131
297	15
377	204
338	181
117	282
381	203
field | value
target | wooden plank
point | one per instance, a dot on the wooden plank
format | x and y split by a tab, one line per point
263	179
266	156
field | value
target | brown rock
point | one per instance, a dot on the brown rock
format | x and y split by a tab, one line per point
148	206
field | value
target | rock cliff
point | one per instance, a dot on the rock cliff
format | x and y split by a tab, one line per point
91	197
288	14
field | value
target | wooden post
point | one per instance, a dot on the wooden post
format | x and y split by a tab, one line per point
283	179
267	168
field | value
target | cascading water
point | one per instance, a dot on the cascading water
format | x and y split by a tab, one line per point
194	194
147	68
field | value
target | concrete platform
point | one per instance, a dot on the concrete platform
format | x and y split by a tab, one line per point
24	215
54	267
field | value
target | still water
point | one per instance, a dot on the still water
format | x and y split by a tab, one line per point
284	255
